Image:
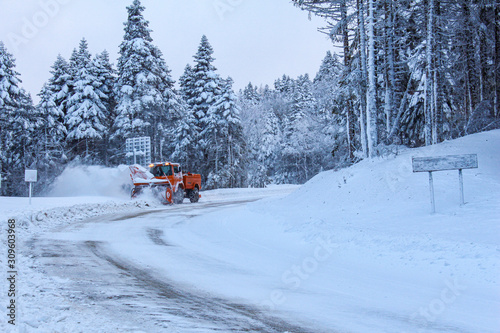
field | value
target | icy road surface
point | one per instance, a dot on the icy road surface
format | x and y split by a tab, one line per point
122	266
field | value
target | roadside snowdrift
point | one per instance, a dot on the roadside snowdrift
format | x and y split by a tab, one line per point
384	195
357	250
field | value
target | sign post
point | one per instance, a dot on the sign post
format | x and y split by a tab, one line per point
441	163
30	176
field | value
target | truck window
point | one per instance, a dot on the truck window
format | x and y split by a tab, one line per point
177	168
157	171
167	169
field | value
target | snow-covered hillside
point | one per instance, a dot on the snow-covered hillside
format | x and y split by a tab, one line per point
350	251
358	250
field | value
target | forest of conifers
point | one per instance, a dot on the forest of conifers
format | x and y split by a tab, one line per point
405	72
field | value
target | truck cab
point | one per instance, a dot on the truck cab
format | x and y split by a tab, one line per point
177	184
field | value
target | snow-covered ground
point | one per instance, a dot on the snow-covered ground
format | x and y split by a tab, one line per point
350	251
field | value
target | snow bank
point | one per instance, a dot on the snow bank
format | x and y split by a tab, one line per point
93	181
384	195
247	194
358	250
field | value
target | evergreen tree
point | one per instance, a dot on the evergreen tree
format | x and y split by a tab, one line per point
270	149
225	140
186	83
329	69
105	81
21	153
147	105
298	147
15	126
49	148
250	93
202	92
235	141
60	84
86	111
186	139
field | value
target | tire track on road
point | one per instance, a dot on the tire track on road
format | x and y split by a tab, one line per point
196	305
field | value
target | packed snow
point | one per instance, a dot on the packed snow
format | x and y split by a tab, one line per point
355	250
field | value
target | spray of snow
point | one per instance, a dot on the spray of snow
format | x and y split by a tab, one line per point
93	181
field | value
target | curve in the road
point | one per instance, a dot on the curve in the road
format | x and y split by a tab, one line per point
232	316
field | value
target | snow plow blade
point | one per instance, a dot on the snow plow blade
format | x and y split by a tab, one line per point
142	178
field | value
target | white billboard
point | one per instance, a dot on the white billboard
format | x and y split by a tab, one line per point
138	150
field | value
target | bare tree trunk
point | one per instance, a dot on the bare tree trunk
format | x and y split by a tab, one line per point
390	76
470	83
347	64
496	65
362	95
371	103
429	77
401	110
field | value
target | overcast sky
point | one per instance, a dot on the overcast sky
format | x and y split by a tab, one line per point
253	40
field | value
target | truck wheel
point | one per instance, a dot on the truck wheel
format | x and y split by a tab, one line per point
194	195
179	196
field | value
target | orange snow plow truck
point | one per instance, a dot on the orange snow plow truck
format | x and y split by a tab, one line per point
166	181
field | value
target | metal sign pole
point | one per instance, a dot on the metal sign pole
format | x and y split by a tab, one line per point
30	176
461	185
431	186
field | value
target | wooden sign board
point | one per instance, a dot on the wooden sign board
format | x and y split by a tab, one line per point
440	163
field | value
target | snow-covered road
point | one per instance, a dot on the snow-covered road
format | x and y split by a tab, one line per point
120	265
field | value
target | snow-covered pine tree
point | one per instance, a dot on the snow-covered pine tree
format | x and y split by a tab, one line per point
175	109
187	132
207	82
226	147
269	152
147	104
105	81
49	149
86	111
206	90
329	70
335	123
284	85
60	84
250	93
186	83
186	138
16	123
21	154
252	119
299	151
430	65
